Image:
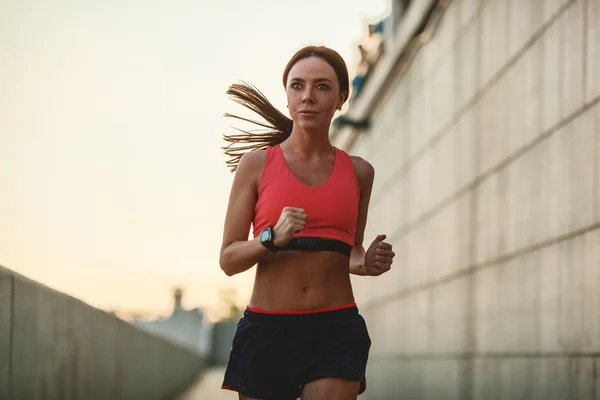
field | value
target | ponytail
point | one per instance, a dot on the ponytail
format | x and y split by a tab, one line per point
276	128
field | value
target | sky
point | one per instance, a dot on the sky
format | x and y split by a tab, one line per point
113	183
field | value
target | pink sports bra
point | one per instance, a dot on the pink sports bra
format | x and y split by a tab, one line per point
331	208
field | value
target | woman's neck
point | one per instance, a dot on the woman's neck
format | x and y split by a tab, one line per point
309	143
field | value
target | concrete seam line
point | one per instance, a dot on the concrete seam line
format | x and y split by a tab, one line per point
473	268
435	210
436	137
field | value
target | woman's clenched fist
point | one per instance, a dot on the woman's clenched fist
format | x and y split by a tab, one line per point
291	221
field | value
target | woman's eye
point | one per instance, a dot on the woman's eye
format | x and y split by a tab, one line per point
296	85
323	87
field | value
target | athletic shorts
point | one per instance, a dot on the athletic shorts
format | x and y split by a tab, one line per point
274	354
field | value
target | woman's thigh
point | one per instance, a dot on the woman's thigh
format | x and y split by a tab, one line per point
331	389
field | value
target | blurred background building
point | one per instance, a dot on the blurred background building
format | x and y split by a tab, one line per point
188	328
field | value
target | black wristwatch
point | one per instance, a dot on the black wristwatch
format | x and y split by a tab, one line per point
266	239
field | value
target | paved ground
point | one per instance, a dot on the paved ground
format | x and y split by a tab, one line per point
208	387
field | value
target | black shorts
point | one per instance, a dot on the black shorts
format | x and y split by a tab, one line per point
274	355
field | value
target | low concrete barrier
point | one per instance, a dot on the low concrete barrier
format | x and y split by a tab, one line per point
222	338
53	346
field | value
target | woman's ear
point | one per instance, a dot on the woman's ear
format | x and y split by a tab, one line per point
343	98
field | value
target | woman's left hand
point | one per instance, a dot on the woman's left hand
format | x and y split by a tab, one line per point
379	257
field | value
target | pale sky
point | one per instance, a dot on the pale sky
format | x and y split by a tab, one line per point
113	186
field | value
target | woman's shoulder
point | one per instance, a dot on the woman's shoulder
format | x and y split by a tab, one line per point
362	166
359	163
252	162
253	157
365	173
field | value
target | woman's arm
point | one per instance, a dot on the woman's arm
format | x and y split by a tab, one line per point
238	254
378	258
365	174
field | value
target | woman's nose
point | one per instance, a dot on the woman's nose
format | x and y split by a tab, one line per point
307	96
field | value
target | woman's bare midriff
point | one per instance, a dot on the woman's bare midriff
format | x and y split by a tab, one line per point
294	280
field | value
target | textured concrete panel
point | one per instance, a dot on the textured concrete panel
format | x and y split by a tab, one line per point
466	64
582	170
552	50
5	331
532	217
549	188
93	358
53	345
466	169
449	228
442	379
444	180
468	11
490	216
449	317
550	300
571	260
591	283
416	115
494	39
575	158
444	89
552	8
25	370
592	83
385	379
563	151
387	213
596	126
418	256
133	365
446	31
573	57
533	378
522	219
506	306
525	19
419	196
392	379
524	97
523	319
423	130
568	378
493	125
401	327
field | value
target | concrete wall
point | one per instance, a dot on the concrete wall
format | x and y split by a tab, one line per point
487	158
186	328
222	338
53	346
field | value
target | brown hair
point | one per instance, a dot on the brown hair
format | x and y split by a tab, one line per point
277	127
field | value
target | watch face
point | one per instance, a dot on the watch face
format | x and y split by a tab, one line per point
265	235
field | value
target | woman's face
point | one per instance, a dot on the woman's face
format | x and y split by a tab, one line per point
313	93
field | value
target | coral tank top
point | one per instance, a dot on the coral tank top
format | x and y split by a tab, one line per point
331	208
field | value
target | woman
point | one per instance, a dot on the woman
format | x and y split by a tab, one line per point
307	202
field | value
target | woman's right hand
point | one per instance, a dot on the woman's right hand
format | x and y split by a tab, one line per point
291	221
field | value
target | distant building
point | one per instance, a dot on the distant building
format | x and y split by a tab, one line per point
188	328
